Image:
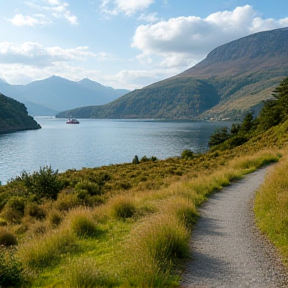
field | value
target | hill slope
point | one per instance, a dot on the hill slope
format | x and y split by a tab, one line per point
54	94
14	116
234	78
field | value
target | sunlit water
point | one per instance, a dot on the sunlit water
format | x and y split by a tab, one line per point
94	143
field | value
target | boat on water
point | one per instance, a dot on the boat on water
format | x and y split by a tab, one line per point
72	121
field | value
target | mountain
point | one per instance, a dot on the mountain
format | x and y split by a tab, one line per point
233	79
54	94
14	116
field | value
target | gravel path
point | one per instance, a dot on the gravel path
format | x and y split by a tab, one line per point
227	249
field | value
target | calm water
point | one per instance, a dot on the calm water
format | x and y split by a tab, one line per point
94	143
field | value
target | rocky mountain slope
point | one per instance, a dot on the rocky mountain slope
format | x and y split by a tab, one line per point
233	79
14	116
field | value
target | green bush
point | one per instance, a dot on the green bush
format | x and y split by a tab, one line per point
187	154
43	184
88	186
11	271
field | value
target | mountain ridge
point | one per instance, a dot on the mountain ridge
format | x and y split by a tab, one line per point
233	79
49	96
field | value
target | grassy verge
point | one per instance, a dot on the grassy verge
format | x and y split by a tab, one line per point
271	207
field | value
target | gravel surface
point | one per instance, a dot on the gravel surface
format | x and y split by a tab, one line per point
227	249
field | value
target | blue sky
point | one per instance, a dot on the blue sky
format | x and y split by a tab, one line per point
122	43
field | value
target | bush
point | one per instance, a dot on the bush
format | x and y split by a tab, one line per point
135	160
11	271
43	184
16	203
187	154
7	238
34	210
88	186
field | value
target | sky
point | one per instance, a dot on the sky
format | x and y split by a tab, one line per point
122	43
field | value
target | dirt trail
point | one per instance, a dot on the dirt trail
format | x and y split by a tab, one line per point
227	249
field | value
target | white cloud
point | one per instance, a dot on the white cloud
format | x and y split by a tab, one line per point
152	17
36	19
34	54
128	7
185	40
52	9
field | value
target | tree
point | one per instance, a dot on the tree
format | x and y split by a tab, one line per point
219	136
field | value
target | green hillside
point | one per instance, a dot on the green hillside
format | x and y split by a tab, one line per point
14	116
233	79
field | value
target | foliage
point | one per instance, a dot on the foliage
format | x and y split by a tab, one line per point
42	184
187	154
11	270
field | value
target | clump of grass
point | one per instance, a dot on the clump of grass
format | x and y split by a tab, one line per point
82	223
7	238
55	218
34	210
84	273
122	207
67	201
153	248
44	251
183	209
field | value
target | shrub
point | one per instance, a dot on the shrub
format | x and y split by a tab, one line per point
187	154
16	203
11	271
90	187
43	184
55	218
135	160
7	238
34	210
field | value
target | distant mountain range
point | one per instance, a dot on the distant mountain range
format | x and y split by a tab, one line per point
14	116
55	94
233	79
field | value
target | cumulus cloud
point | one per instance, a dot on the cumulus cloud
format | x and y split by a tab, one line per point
185	40
51	8
128	7
34	54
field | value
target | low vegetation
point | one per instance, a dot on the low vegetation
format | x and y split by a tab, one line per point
126	225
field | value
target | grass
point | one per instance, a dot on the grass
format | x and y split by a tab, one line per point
125	225
271	207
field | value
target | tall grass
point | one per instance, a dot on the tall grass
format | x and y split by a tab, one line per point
271	207
84	273
153	248
47	250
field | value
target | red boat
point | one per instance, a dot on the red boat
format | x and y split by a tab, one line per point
72	121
